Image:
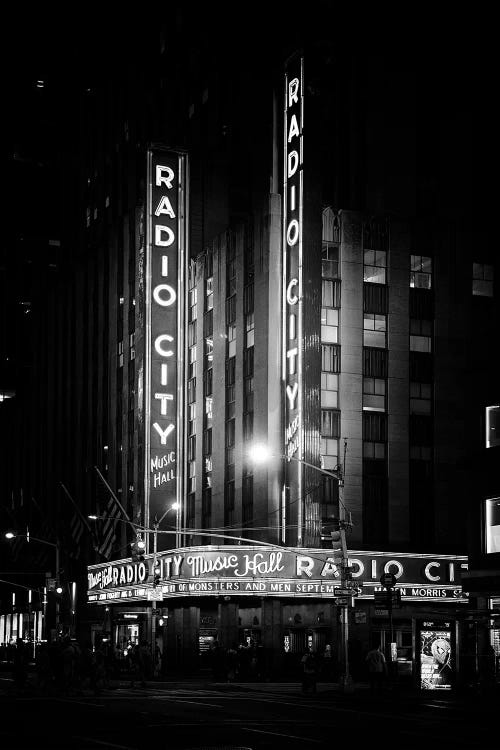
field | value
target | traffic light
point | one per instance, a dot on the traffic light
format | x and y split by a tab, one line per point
138	550
156	573
331	530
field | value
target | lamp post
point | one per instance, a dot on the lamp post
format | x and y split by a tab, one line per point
156	526
55	545
260	453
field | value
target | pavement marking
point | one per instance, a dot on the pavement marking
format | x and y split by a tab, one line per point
279	734
101	742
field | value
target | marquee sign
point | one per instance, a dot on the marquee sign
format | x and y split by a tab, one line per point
166	252
268	571
292	303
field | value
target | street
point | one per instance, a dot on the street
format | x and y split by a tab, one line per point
196	715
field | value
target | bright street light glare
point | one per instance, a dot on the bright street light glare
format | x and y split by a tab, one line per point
93	518
259	453
175	506
10	535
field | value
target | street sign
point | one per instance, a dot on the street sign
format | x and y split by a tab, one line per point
344	601
342	592
155	595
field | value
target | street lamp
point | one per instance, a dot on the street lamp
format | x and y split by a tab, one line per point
55	545
260	454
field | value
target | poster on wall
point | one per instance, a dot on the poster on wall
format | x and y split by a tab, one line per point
436	659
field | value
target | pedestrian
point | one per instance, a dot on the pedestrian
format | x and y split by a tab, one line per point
377	667
20	664
44	672
327	662
232	663
309	671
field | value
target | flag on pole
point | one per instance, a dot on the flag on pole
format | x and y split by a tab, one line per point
108	529
76	529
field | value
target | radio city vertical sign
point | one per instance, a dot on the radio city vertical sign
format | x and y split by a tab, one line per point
166	252
292	304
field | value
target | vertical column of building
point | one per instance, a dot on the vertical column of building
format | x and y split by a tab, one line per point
249	364
330	448
375	244
421	427
191	406
208	392
351	363
398	385
232	364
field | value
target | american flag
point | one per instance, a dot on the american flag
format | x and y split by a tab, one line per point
108	530
76	529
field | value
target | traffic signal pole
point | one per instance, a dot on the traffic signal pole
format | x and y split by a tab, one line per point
346	683
153	603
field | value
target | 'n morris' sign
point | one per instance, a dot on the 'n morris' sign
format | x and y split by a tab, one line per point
165	278
268	571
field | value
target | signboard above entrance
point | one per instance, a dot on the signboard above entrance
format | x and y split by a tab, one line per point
274	571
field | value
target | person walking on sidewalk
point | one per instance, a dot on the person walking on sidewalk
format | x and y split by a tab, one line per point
377	667
309	671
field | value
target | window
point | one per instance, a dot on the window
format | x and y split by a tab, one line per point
192	448
209	351
248	362
231	309
248	394
193	307
374	362
330	261
330	423
192	333
208	323
330	293
492	426
207	442
375	427
208	382
329	324
330	358
209	285
249	329
329	450
420	398
231	341
420	335
247	500
482	280
375	266
248	426
374	330
230	433
248	293
420	272
492	525
329	390
192	362
191	390
374	392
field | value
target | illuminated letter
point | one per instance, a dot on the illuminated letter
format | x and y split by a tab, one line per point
291	392
163	433
158	240
166	302
291	327
293	163
160	177
164	265
427	571
292	198
294	128
164	397
360	570
291	354
304	565
293	88
398	565
165	207
164	374
292	233
158	342
292	299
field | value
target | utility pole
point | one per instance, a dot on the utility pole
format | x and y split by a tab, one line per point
345	524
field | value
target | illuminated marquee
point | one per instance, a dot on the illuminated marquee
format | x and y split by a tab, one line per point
271	571
165	264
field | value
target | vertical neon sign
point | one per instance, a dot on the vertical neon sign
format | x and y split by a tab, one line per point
292	304
166	251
